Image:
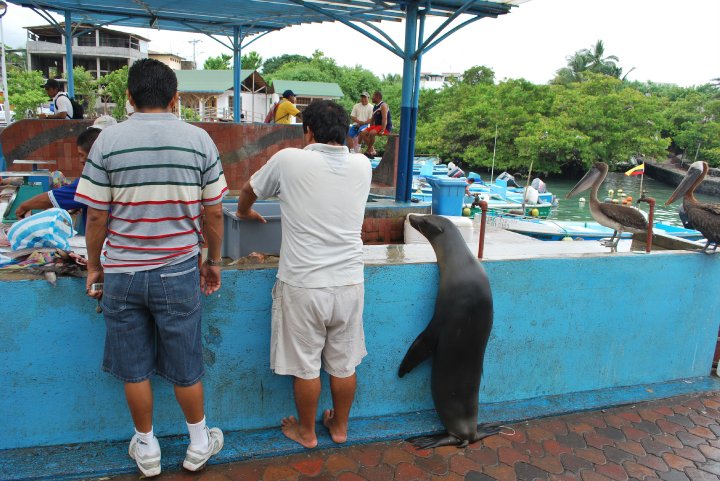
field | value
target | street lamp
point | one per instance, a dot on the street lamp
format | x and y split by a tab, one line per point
6	101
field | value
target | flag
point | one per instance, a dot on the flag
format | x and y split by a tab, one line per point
637	170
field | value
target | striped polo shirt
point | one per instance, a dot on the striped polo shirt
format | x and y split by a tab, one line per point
153	172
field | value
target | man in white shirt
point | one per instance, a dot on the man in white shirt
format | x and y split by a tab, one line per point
318	296
361	115
63	106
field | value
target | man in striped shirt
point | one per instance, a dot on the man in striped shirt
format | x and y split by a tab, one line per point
147	183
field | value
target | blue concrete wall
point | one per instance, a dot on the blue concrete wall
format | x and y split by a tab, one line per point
561	326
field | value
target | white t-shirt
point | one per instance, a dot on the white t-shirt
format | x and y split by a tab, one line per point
322	190
63	104
362	112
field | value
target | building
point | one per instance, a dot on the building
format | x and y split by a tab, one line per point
210	93
99	50
173	61
306	92
436	81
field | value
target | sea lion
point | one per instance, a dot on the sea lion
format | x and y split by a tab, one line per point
456	336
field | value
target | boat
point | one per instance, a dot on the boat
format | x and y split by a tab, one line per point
546	229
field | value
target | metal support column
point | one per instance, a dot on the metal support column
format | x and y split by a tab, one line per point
237	66
403	189
68	54
416	94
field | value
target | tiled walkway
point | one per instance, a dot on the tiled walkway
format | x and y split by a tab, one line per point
672	439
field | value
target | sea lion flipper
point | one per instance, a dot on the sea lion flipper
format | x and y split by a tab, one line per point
420	350
436	440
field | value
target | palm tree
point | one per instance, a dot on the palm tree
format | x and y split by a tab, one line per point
598	63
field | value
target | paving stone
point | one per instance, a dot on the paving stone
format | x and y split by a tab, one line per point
634	434
638	471
485	456
309	467
553	447
593	476
337	463
573	440
448	450
597	441
715	429
689	439
681	419
528	472
495	442
348	477
698	475
580	428
501	472
612	471
616	421
693	454
423	453
710	452
280	473
702	431
680	409
550	464
648	427
711	403
617	455
653	462
365	457
461	465
677	462
241	471
511	456
664	410
556	427
394	456
539	434
674	475
531	448
669	427
632	447
594	455
382	472
654	447
595	421
611	433
213	476
574	463
477	476
447	477
320	477
410	472
700	420
565	477
517	436
710	467
631	416
435	464
650	415
669	440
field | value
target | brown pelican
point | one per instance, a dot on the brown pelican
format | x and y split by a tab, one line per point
620	218
703	217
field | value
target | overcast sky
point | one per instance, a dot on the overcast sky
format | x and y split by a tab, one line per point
666	41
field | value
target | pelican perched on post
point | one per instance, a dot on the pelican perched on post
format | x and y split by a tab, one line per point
703	217
620	218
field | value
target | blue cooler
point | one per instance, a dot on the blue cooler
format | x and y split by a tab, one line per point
447	195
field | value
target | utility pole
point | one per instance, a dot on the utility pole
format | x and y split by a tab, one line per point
193	42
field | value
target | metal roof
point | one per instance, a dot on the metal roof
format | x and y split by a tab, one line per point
308	89
208	81
218	17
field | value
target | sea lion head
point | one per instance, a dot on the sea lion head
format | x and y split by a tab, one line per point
430	226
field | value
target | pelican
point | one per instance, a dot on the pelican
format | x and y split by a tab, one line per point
703	217
620	218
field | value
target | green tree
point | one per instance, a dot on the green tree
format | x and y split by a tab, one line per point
86	90
478	75
221	62
25	91
588	60
251	61
272	64
113	86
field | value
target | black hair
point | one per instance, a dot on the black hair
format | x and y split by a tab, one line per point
151	83
327	120
86	139
378	93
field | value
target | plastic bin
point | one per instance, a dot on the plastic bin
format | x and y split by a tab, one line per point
243	237
447	195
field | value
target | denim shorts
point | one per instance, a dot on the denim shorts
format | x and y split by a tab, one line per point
153	321
355	130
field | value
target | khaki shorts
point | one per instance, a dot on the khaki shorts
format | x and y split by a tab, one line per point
310	325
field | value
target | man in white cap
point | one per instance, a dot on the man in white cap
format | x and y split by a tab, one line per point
64	197
361	115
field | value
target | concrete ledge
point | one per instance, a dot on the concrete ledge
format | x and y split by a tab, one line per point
102	459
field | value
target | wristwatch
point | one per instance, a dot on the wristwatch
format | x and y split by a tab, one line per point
213	263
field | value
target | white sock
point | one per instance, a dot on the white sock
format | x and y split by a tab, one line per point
198	435
148	445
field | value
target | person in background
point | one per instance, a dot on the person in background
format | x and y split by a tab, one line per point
361	115
61	101
155	172
318	296
381	124
64	197
286	111
469	181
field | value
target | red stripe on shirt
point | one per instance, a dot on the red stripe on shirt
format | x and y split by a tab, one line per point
216	197
153	259
132	248
158	202
133	265
91	199
158	219
161	236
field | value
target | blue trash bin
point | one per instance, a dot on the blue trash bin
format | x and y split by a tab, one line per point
447	195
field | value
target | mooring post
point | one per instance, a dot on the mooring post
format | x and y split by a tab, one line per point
481	244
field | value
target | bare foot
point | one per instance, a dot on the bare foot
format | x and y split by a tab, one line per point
337	433
291	429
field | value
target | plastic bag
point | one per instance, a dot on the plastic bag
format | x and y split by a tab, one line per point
50	228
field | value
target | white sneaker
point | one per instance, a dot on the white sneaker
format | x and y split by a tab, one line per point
195	460
146	456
